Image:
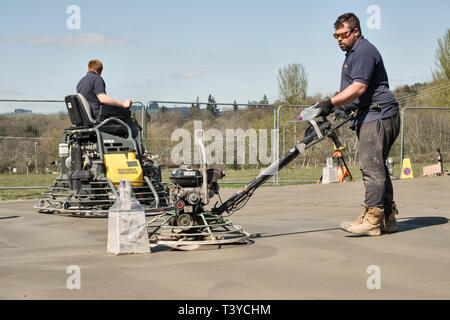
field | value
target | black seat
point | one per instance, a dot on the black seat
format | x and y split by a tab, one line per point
80	115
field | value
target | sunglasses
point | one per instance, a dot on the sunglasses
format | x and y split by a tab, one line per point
342	35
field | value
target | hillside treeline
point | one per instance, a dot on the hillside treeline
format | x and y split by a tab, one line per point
31	140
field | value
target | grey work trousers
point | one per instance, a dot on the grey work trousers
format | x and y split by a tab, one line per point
375	141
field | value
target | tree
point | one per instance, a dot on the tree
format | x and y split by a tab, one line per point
440	94
264	100
163	115
163	110
292	83
195	113
442	59
212	106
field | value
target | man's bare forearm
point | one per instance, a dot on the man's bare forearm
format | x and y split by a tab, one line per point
104	99
349	94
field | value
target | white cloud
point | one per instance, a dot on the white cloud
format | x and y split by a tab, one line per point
81	39
8	92
191	75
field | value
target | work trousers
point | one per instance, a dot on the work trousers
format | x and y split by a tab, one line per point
121	113
375	141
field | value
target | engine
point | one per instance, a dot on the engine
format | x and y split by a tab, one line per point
80	162
190	194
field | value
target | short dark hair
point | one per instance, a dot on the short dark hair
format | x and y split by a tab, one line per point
350	18
95	65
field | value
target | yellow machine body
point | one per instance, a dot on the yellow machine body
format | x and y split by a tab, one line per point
123	166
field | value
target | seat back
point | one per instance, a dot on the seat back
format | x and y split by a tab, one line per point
79	110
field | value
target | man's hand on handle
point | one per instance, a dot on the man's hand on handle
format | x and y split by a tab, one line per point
104	99
325	107
127	103
340	114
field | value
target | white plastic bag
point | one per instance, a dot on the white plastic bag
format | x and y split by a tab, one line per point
127	225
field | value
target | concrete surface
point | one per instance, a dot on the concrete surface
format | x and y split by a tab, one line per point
298	252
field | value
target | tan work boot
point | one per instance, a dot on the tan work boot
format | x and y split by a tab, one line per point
390	221
371	223
347	224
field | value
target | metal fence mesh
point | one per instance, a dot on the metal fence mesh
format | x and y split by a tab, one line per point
30	132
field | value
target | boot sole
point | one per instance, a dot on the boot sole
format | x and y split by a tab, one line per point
372	233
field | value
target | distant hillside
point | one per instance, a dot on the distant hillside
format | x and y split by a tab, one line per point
183	110
154	107
427	94
406	90
18	111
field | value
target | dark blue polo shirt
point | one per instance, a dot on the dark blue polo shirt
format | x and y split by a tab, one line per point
363	63
90	86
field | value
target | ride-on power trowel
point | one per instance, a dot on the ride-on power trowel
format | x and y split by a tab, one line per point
190	224
94	155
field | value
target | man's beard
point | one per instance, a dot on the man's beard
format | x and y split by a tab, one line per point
344	47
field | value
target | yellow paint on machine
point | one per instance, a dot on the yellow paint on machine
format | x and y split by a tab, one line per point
123	166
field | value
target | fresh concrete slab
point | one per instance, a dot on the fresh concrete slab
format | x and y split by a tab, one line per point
297	251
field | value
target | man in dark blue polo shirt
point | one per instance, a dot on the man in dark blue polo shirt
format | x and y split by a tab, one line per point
364	86
93	88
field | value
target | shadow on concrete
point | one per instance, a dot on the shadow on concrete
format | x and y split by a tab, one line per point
404	224
262	235
11	217
411	223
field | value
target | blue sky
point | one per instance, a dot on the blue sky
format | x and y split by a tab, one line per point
178	50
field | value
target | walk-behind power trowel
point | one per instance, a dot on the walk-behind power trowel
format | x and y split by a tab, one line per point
94	155
190	225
